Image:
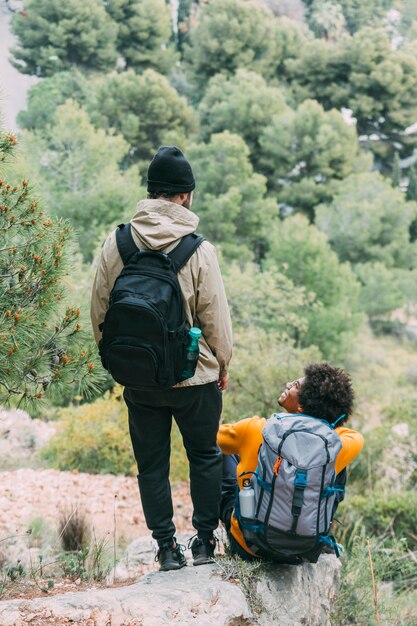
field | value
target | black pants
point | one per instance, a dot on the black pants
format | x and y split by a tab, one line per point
197	411
229	491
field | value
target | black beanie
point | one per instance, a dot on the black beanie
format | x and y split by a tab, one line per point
169	170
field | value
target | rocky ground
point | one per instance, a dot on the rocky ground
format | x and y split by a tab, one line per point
38	499
110	503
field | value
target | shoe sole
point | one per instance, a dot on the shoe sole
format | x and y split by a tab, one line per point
204	561
172	569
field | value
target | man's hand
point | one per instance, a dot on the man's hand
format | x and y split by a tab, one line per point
223	381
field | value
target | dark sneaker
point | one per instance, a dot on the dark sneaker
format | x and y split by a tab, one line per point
170	556
203	550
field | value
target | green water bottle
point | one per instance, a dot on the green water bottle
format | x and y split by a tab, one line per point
192	353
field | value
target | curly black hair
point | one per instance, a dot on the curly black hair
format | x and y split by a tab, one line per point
326	392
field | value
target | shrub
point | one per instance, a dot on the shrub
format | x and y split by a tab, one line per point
95	438
262	364
92	438
380	515
355	602
73	530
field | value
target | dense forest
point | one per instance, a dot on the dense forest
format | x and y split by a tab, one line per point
300	121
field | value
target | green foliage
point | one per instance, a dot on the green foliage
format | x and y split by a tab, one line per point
92	438
382	515
408	17
76	168
412	195
303	254
268	319
42	347
381	290
302	150
90	562
384	475
359	14
369	221
230	197
396	170
74	565
144	32
326	19
145	109
355	601
183	22
246	573
234	33
262	365
15	572
384	509
55	35
266	300
44	98
365	74
412	184
243	104
39	532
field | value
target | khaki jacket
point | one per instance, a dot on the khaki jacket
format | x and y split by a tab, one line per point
159	225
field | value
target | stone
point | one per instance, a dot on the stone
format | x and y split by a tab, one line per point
299	595
139	558
190	596
21	437
286	595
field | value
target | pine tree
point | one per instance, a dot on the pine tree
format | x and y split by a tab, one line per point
53	36
396	171
412	196
412	184
43	350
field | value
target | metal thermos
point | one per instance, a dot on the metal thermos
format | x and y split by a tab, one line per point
247	500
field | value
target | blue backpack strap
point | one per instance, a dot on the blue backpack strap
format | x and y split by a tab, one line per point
329	540
262	483
184	250
125	242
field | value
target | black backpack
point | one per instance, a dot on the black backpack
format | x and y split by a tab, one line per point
145	331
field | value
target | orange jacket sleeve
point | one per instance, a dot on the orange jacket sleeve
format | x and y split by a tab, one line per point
230	436
352	444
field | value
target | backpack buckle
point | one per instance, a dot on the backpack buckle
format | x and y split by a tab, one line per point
300	481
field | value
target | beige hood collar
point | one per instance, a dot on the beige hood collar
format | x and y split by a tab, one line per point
158	223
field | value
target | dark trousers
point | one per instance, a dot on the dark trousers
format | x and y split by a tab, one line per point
229	491
229	488
197	411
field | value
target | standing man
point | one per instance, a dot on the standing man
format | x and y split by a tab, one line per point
196	403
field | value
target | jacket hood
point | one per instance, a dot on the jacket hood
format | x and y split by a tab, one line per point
158	223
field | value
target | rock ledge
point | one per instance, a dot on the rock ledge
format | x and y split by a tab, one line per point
290	596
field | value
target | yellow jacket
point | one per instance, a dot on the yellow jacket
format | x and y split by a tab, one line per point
245	437
159	225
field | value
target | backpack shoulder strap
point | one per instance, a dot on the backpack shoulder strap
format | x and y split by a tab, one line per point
125	243
184	250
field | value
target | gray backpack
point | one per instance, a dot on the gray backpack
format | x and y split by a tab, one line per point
296	490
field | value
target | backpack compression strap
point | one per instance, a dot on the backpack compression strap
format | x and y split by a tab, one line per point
125	242
184	250
179	256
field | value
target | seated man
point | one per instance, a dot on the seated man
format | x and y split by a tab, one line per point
325	393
